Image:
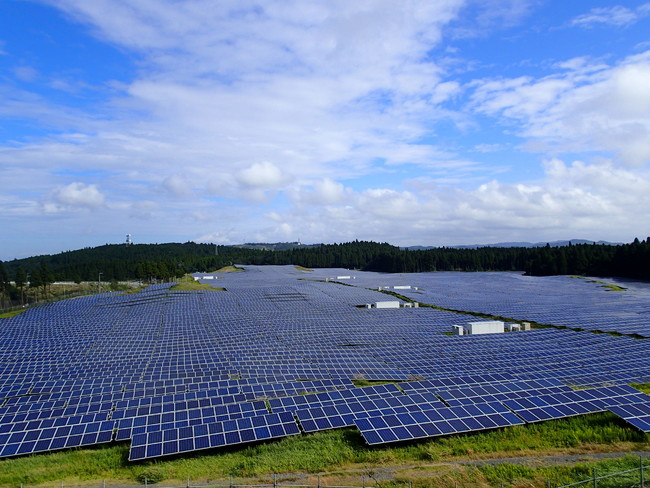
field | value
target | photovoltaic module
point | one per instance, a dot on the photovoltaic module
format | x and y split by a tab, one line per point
280	351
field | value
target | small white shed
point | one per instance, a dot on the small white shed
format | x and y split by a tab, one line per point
485	327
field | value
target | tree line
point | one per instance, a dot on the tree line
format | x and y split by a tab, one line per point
626	261
165	262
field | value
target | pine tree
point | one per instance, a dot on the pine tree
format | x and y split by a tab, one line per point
4	284
45	277
20	279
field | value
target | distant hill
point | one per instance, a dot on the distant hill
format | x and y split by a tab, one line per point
519	244
276	246
540	244
136	261
156	262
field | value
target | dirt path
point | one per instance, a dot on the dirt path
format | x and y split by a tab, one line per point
561	459
389	476
371	476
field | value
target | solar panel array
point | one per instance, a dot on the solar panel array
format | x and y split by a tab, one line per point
558	300
275	355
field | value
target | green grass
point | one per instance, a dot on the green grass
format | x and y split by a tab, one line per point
59	291
229	269
319	452
610	287
8	315
187	283
560	475
644	387
194	286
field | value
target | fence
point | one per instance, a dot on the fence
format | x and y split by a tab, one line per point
628	478
275	483
7	307
31	302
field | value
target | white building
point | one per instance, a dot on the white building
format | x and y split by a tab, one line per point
485	327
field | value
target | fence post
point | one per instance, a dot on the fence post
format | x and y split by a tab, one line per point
641	470
275	480
548	483
595	479
319	481
188	482
145	483
230	481
410	484
103	483
363	480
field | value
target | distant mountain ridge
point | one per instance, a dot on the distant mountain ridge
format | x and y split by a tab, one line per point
285	246
520	244
274	246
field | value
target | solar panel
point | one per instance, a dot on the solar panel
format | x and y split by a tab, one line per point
637	414
211	435
164	363
433	422
546	407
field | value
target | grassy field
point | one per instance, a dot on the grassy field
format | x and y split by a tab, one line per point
187	283
194	286
228	269
8	315
343	457
607	286
65	291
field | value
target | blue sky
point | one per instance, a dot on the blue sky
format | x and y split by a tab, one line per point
409	122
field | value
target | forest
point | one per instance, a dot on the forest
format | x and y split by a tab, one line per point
150	263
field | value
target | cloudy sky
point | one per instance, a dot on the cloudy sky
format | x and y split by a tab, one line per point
409	122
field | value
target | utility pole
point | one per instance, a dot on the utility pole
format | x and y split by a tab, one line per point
99	283
22	292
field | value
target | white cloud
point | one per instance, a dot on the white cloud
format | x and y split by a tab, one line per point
616	15
177	186
143	210
259	181
263	175
202	216
328	191
25	73
583	109
390	204
520	97
75	195
313	91
577	199
339	35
